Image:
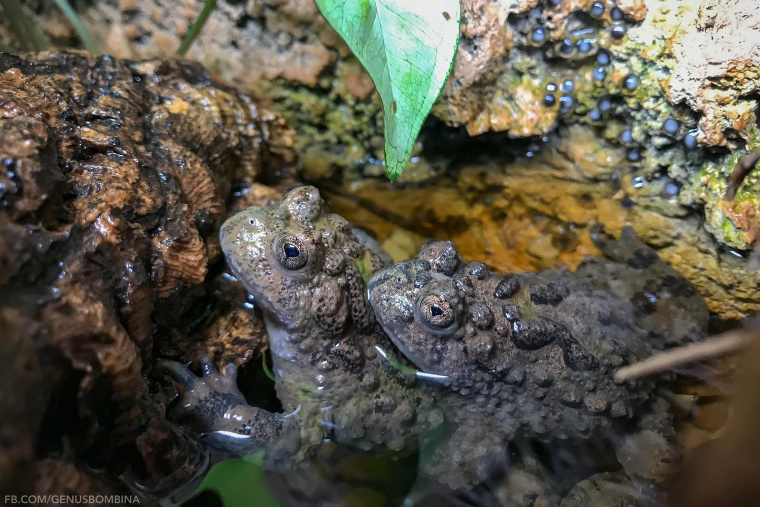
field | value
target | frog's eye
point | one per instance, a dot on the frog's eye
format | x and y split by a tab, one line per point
435	311
291	252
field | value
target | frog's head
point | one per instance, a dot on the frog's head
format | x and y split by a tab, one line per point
299	261
430	310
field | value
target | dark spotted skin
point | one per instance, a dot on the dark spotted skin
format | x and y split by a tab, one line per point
533	355
322	335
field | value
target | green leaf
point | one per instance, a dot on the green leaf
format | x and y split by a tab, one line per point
86	37
364	265
240	483
28	35
195	29
408	47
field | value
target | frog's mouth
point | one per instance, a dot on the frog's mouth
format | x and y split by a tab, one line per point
400	366
395	314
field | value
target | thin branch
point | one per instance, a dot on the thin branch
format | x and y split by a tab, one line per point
85	36
192	34
726	343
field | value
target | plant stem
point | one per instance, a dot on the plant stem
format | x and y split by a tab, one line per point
86	37
192	34
24	26
5	48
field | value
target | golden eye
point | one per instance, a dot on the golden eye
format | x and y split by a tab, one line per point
291	252
436	311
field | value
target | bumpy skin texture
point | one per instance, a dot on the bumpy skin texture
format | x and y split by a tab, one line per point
533	354
304	267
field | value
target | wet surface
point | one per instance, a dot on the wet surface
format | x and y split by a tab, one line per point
114	180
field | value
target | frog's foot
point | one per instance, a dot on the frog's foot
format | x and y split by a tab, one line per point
604	488
649	454
628	249
659	293
207	400
227	422
471	455
373	245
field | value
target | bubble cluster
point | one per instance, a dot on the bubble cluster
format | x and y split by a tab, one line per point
588	45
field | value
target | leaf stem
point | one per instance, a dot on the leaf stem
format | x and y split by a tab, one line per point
24	26
5	48
85	36
192	34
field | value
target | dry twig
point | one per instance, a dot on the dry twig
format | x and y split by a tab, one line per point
716	346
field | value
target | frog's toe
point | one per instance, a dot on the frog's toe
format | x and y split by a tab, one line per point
179	372
207	366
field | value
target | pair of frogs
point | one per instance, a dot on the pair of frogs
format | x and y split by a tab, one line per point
440	354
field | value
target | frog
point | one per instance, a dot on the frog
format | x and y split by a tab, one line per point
304	268
531	357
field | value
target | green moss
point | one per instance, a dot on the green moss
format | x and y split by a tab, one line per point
334	128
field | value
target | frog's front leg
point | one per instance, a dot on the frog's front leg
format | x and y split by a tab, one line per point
649	454
228	423
467	456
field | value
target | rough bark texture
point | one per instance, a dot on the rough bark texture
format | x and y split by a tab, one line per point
115	177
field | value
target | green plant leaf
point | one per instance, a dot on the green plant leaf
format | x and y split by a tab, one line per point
240	483
86	37
195	29
408	47
28	35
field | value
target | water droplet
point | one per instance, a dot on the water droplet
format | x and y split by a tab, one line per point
616	14
551	87
671	126
538	36
605	105
594	115
690	140
672	188
549	100
599	74
634	154
603	58
566	103
618	31
630	82
566	47
567	86
626	137
597	10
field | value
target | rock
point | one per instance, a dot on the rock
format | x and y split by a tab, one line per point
637	67
115	177
534	213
